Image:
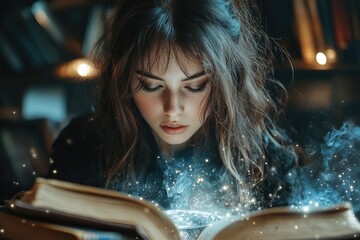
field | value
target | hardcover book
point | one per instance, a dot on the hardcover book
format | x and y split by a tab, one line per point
62	209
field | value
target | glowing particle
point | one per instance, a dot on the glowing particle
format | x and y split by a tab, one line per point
54	171
2	230
306	208
69	141
185	235
33	153
296	227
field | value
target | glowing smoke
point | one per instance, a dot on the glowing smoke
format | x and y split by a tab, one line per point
334	174
198	184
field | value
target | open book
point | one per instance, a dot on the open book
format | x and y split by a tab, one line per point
68	207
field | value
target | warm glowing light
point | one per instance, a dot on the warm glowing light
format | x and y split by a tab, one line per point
331	54
83	69
321	58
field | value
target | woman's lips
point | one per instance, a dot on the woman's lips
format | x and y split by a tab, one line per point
173	128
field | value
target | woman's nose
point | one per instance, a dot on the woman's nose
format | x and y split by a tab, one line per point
172	104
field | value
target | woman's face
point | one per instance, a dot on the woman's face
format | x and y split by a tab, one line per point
172	99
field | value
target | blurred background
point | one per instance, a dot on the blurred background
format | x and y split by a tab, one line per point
46	77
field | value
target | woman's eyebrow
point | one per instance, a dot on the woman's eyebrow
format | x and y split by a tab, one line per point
149	75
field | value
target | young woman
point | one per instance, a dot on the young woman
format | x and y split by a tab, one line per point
187	109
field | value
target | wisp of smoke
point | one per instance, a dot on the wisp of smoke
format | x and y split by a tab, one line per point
334	174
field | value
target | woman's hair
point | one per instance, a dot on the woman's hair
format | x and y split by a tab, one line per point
228	40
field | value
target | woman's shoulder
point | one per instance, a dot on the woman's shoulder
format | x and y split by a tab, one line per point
75	153
81	128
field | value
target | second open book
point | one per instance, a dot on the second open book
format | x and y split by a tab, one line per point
53	203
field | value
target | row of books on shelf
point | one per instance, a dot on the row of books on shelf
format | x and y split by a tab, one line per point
34	38
328	31
58	210
315	32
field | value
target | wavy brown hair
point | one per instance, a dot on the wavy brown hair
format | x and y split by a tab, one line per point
227	38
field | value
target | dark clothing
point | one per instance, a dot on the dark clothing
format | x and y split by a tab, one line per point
74	155
177	183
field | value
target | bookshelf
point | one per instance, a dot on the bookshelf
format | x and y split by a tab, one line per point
278	19
305	28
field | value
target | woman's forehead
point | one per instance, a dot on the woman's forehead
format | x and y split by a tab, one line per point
159	59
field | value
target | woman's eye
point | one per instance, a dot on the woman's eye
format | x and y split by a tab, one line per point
198	89
149	87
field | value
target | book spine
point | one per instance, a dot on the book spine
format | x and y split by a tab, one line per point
9	54
46	48
17	35
327	24
279	26
354	12
304	30
316	26
353	7
341	23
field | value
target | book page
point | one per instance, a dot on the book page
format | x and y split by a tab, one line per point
97	204
285	223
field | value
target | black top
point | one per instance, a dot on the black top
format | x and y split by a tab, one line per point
182	182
